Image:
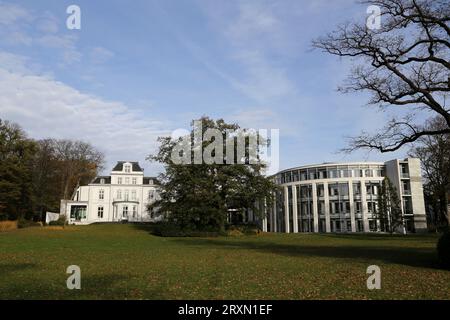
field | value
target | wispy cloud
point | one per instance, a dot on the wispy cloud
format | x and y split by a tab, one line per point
49	108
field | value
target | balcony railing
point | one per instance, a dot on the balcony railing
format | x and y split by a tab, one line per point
136	200
404	175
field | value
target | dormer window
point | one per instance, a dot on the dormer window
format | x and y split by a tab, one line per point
102	181
127	168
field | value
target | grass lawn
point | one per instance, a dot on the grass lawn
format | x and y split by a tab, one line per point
126	262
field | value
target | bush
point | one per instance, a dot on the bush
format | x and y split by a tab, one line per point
60	222
243	229
23	223
443	249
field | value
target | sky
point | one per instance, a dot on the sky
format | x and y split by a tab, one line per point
141	69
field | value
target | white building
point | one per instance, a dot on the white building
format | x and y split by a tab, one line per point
124	195
342	197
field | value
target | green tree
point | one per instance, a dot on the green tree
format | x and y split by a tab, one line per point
200	196
16	153
434	154
389	211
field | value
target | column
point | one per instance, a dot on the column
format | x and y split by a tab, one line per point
274	215
264	220
286	209
294	208
250	215
326	197
352	205
315	211
365	210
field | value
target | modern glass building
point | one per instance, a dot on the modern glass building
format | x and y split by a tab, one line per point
342	197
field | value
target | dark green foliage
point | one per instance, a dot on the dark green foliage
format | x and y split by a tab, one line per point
389	211
23	223
16	152
199	196
443	249
36	175
60	222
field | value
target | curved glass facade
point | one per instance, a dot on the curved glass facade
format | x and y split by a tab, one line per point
340	197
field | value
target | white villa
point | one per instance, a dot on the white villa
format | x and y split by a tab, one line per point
122	196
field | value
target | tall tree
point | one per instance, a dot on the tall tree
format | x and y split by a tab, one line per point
404	64
16	152
434	153
389	211
78	163
201	195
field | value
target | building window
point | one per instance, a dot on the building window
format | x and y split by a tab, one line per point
134	211
100	212
134	181
127	180
119	194
125	212
150	195
369	173
126	195
101	194
119	180
127	168
133	195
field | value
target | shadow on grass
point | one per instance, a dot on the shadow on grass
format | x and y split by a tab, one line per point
409	256
15	267
403	255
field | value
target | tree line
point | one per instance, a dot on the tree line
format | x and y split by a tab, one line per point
36	174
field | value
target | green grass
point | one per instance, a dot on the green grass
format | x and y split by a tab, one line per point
126	262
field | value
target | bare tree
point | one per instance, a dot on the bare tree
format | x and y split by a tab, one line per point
404	64
79	163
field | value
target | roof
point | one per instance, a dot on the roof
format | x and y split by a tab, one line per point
147	180
97	180
330	164
135	166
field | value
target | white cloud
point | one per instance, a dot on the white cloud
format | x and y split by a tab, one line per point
48	108
100	55
11	13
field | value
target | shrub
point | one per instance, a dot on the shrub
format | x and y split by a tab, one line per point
243	229
8	225
23	223
443	249
60	222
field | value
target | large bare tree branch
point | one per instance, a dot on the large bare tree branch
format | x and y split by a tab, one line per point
404	63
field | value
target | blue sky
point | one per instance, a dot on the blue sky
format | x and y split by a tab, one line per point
140	69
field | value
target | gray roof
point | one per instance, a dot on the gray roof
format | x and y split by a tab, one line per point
97	180
135	165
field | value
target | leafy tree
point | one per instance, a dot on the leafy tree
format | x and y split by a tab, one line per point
16	152
200	196
36	175
403	64
389	211
434	153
